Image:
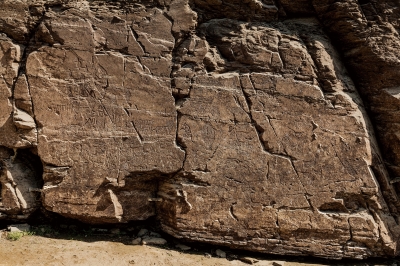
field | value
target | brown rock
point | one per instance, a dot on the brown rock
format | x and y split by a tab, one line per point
235	122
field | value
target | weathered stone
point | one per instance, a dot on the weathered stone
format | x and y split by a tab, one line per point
23	120
234	122
22	97
183	247
248	260
106	105
297	135
154	241
137	241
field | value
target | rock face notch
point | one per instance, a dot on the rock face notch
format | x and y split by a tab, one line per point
237	123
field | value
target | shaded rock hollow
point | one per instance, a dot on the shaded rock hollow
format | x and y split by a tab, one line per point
268	125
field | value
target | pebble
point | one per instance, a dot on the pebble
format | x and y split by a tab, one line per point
248	260
154	241
183	247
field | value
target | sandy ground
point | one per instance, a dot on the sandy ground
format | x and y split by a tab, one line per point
55	248
38	250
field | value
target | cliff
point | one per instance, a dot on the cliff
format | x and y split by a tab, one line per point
265	125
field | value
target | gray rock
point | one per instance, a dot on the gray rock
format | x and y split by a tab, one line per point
183	247
154	241
143	232
154	234
220	253
137	241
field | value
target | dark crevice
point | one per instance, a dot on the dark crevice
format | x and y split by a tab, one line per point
179	141
25	170
24	166
33	160
1	196
231	211
234	180
333	207
364	2
255	10
28	49
179	99
22	67
137	131
188	178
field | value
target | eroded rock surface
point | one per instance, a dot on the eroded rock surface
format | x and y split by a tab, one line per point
237	123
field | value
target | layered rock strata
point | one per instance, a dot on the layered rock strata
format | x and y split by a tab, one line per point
236	123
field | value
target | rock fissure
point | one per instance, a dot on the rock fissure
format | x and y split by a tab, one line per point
231	212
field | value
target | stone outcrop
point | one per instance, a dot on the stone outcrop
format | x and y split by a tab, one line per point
249	124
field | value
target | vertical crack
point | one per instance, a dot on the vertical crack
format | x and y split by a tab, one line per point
177	43
350	231
136	36
22	68
257	127
232	213
137	132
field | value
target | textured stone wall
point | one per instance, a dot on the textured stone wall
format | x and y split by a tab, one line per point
265	125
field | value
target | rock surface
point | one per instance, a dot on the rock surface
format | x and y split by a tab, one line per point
249	124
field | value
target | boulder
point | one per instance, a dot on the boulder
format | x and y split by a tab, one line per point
269	126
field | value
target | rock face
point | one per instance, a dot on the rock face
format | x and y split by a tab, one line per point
249	124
